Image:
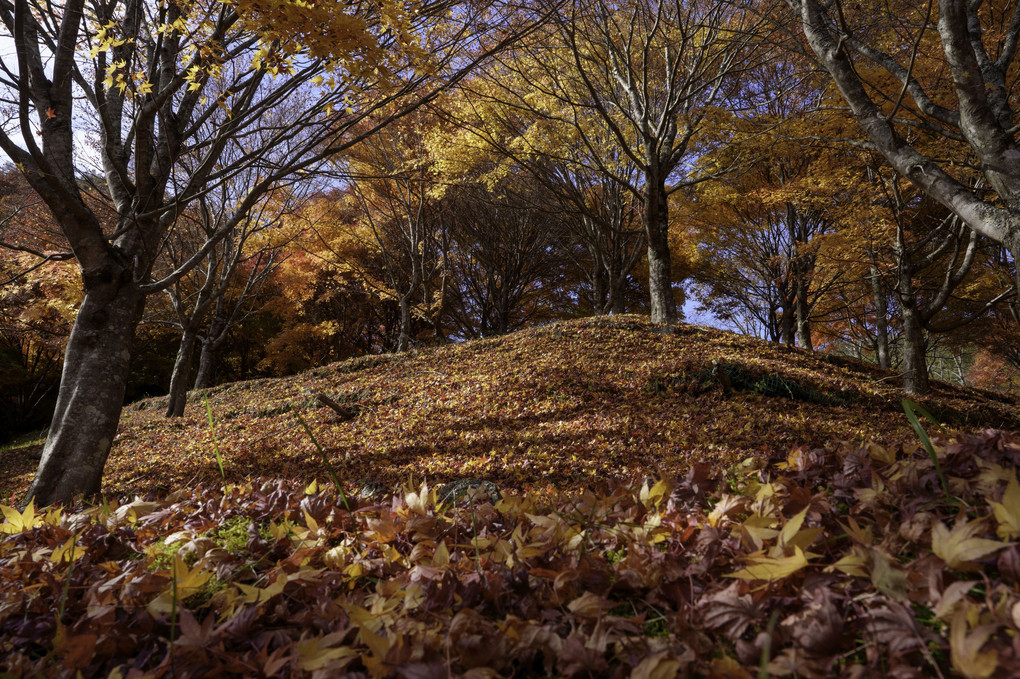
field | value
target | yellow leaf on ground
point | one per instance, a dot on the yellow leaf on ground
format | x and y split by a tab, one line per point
19	522
662	665
965	649
67	551
768	568
960	547
1007	512
321	652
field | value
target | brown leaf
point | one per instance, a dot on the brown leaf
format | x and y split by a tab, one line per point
818	628
729	612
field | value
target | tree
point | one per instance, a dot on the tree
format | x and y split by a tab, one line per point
392	184
505	270
653	73
765	225
208	300
491	138
165	81
932	262
908	99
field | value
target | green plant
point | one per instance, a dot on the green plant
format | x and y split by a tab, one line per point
232	534
656	627
911	409
163	555
216	445
324	458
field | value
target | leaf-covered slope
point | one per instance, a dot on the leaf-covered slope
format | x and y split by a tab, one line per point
568	403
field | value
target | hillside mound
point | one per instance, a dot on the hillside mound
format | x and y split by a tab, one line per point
567	404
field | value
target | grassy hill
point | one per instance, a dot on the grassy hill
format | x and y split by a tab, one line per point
873	557
570	403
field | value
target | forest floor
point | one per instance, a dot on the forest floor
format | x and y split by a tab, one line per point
691	503
569	405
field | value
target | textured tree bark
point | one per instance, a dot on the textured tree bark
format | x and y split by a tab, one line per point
404	339
203	376
980	115
660	281
181	373
616	301
787	319
601	294
915	367
881	318
803	312
96	368
212	340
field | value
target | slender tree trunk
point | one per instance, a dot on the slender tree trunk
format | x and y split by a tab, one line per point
1013	248
437	316
915	368
404	339
181	373
214	337
660	281
601	294
96	367
803	313
881	317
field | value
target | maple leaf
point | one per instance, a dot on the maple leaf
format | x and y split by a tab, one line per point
68	551
729	612
185	582
18	522
818	628
588	605
961	547
887	577
318	653
1007	512
965	648
771	568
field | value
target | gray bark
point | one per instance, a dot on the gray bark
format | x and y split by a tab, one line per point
984	119
881	316
660	278
803	316
203	376
92	386
788	318
181	373
214	336
915	365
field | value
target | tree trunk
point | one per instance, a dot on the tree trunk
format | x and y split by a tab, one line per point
788	323
181	373
96	367
601	294
881	318
803	313
616	302
660	281
915	368
404	339
203	378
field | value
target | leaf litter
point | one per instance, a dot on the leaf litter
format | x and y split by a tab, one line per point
840	559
